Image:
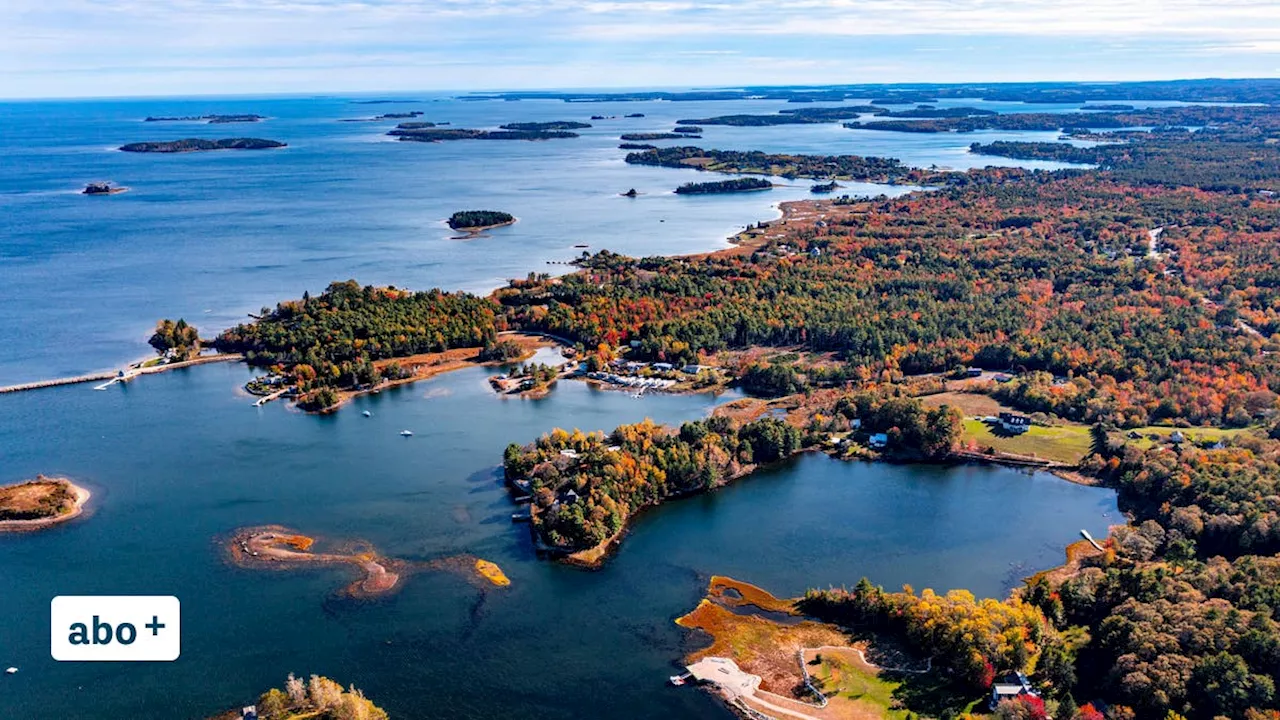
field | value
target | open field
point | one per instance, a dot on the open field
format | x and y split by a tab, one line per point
971	404
1061	443
1194	435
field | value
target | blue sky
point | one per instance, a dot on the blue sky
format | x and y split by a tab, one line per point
61	48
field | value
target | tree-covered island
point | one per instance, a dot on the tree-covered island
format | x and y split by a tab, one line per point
476	220
201	145
724	186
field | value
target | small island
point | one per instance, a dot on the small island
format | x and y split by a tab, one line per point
316	699
657	136
688	129
40	503
824	187
103	188
630	193
211	119
391	116
724	186
636	146
426	132
634	115
474	221
201	145
544	126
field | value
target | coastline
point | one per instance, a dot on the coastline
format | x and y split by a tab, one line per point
82	496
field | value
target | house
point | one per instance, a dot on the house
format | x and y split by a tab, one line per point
1176	437
1003	378
569	453
973	372
570	497
663	367
855	423
1013	686
878	440
692	369
249	713
1014	423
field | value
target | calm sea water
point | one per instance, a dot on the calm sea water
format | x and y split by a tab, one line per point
178	460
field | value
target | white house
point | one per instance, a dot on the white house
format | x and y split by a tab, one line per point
1014	423
1015	685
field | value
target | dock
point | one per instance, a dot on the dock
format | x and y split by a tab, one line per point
1085	534
114	376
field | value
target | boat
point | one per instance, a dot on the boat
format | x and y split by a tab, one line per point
406	433
368	414
678	680
11	671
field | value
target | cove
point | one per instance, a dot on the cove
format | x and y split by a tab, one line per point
179	459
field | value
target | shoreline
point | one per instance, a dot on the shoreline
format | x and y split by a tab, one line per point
82	496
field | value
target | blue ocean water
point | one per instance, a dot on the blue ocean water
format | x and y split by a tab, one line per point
213	236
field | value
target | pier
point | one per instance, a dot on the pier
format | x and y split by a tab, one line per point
114	376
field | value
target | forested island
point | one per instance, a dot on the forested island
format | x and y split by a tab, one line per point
654	136
211	119
102	188
636	146
826	187
843	167
541	126
789	116
428	132
476	220
724	186
200	145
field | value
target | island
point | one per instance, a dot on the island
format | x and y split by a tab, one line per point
102	188
40	503
636	146
789	116
630	193
724	186
279	547
318	698
822	167
211	119
688	129
201	145
634	115
477	220
654	136
426	132
824	187
391	116
543	126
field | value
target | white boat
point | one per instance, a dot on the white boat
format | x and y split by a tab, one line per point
11	671
368	414
406	433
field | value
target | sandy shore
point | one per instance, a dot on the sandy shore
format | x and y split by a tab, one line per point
81	498
280	547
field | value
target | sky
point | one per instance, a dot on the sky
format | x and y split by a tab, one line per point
97	48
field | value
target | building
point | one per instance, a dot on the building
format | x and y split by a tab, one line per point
878	440
1013	686
973	372
1176	437
663	367
694	369
1014	423
249	713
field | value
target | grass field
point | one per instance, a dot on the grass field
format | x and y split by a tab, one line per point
842	675
1193	435
1061	443
971	404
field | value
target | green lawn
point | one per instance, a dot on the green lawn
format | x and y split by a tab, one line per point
1194	435
1062	443
850	681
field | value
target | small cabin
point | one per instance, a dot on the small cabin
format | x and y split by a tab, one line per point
663	367
1014	423
1177	437
878	440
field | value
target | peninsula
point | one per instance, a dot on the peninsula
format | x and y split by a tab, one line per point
318	698
40	503
201	145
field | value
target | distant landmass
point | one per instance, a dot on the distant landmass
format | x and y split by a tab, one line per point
201	145
542	126
416	133
211	119
658	136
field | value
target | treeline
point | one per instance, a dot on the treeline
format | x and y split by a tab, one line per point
586	486
790	116
333	339
724	186
1186	116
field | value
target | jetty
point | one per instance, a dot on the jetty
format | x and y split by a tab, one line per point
114	376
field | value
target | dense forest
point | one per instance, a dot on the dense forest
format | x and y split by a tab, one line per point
843	167
466	219
555	125
332	340
654	136
724	186
586	486
177	339
201	145
437	134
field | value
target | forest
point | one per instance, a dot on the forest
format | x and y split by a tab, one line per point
466	219
586	486
842	167
437	134
331	340
554	125
724	186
